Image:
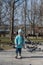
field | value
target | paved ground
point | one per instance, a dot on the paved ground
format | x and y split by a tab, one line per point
8	58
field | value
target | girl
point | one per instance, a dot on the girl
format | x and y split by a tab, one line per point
19	43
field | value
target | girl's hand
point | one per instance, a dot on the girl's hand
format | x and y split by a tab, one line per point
15	45
24	46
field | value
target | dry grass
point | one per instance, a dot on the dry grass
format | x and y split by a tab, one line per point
6	47
38	39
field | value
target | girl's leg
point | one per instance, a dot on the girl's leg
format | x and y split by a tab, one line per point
19	52
16	52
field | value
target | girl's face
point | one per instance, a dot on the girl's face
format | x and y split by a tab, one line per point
21	33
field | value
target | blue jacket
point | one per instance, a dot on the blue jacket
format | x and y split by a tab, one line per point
19	41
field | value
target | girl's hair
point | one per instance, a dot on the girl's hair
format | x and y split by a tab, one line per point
17	32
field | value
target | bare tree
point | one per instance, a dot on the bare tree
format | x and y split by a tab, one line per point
33	15
0	12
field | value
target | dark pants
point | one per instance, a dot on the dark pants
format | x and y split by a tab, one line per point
18	50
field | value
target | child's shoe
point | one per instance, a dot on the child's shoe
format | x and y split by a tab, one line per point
19	57
16	57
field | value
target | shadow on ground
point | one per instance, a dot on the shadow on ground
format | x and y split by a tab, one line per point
33	57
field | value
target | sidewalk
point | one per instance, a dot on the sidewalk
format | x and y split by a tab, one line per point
8	58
